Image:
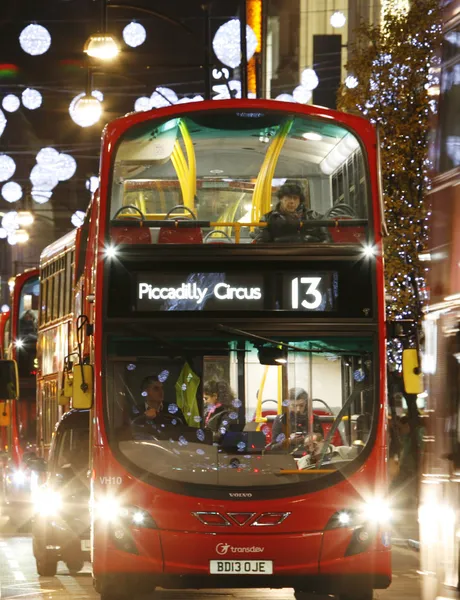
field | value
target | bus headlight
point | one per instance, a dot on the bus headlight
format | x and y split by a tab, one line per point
110	510
47	503
107	509
377	510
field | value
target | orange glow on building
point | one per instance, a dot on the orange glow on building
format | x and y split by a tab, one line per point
254	20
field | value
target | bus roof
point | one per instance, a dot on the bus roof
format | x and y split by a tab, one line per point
66	241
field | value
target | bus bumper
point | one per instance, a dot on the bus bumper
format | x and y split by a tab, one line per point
313	562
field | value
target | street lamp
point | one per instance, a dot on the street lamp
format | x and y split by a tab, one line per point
102	46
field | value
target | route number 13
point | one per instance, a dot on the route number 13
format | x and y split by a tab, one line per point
312	296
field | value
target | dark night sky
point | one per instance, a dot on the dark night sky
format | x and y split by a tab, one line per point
169	57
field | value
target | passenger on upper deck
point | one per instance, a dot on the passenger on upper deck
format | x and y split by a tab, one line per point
286	222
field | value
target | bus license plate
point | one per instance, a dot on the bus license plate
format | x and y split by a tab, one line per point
85	545
241	567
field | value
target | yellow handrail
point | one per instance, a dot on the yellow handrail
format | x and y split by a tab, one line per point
191	164
262	191
260	394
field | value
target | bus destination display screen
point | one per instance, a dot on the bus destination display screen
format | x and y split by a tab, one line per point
316	291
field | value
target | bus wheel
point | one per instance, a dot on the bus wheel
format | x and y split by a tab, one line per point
46	565
358	596
74	566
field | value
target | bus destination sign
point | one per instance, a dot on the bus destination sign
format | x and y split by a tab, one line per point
316	292
199	292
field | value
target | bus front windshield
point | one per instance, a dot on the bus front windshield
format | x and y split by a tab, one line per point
230	413
248	177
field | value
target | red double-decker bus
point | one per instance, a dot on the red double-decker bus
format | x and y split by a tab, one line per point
229	339
18	332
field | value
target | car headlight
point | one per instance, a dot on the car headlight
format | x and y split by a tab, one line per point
19	478
47	502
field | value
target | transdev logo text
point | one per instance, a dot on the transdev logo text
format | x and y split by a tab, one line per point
224	548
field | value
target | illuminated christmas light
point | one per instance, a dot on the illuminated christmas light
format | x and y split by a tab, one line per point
226	43
2	122
31	99
47	157
9	221
338	19
309	79
43	179
11	103
35	40
285	98
134	34
7	167
351	82
86	110
92	183
41	196
77	218
301	94
65	167
142	104
163	97
12	191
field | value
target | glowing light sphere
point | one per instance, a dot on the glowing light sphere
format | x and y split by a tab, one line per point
43	179
47	157
3	235
10	221
7	167
41	196
65	167
142	104
2	122
11	103
5	308
92	183
338	19
12	239
35	40
12	191
134	34
301	94
77	218
86	111
351	82
31	99
226	43
162	97
309	79
285	98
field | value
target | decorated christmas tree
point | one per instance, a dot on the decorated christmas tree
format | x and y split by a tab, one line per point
392	69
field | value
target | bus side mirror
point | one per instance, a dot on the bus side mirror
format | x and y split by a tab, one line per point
412	375
66	389
82	387
9	381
